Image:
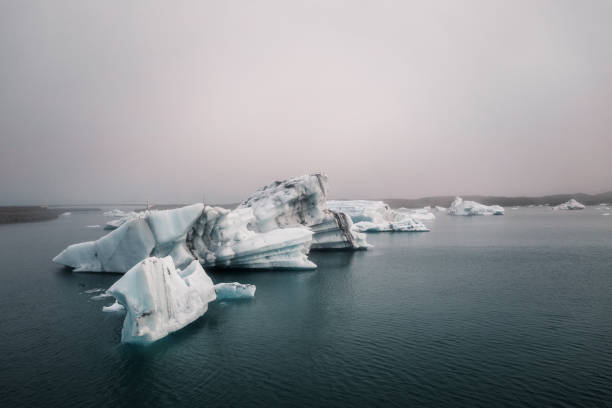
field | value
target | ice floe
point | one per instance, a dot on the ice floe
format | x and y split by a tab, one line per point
376	216
461	207
115	307
234	290
569	205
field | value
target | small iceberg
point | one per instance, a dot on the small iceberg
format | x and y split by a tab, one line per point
115	307
234	290
376	216
461	207
159	299
570	205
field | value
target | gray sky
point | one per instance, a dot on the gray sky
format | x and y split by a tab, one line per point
124	101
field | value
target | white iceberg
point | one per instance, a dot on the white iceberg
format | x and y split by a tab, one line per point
461	207
421	214
234	290
159	299
301	201
273	229
215	236
115	307
376	216
570	205
115	212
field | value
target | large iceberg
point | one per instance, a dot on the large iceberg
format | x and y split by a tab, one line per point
160	299
570	205
301	201
461	207
215	236
376	216
273	229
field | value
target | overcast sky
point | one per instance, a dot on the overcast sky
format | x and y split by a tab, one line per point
124	101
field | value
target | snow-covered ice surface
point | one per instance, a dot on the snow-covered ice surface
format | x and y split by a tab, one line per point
234	290
376	216
115	307
570	205
301	201
461	207
160	299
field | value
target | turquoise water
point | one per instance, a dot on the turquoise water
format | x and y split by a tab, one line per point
479	312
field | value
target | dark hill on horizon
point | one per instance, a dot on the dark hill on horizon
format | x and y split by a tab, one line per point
555	199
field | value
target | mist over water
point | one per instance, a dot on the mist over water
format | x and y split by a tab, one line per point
481	311
108	102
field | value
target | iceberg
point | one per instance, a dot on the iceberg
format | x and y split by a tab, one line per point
160	299
115	212
570	205
422	214
234	290
124	217
115	307
221	239
376	216
215	236
301	201
461	207
273	229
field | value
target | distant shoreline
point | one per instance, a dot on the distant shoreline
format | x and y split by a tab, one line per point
20	214
33	213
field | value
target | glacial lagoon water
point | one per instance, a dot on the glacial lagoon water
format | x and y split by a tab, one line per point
479	312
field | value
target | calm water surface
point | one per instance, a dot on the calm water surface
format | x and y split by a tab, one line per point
479	312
